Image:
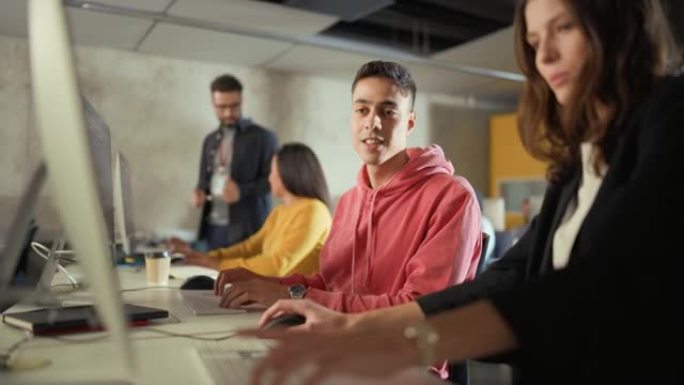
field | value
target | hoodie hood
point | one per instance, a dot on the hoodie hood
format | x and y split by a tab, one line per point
423	162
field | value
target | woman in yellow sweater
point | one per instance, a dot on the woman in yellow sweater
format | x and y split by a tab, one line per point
294	232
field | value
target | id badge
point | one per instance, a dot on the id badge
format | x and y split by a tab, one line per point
218	182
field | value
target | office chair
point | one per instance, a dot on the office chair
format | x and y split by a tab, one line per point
458	371
482	263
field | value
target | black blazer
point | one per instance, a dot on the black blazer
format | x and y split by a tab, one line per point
253	147
612	311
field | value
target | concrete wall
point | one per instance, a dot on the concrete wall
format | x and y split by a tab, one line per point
158	110
464	135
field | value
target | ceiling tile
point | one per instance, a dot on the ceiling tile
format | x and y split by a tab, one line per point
112	31
263	16
494	51
13	15
439	80
205	45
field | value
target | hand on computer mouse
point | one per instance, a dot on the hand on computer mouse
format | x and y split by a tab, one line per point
317	317
285	321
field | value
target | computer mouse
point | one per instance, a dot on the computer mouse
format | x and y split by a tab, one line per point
198	282
285	321
177	258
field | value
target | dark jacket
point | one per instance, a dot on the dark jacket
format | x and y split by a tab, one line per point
612	311
253	147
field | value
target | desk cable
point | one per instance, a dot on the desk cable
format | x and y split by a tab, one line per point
230	335
6	357
43	251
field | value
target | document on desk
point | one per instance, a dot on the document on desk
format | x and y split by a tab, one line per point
205	302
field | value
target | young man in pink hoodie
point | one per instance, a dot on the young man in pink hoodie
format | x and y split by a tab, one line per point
408	227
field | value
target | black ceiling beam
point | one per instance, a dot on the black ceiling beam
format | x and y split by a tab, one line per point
436	14
500	11
395	20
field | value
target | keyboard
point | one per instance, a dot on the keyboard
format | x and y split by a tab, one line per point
230	361
204	302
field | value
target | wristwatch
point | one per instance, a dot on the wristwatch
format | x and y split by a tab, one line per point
424	338
297	291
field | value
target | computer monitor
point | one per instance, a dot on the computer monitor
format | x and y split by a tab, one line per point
72	174
123	204
101	149
20	228
17	240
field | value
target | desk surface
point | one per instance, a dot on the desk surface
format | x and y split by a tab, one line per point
162	359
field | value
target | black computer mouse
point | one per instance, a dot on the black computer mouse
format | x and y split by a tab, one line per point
285	321
198	282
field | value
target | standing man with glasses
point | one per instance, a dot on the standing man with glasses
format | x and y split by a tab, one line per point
233	189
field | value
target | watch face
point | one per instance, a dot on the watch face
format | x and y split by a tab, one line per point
297	291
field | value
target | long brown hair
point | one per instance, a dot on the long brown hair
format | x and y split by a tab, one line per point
301	172
631	47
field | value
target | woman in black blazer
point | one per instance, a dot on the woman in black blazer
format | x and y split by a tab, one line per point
591	290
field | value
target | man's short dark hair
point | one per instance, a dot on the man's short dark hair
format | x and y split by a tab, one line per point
398	74
226	83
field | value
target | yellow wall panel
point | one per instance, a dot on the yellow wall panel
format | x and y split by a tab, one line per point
509	159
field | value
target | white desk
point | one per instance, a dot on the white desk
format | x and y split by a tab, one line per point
162	359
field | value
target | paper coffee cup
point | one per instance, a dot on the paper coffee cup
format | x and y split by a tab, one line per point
157	269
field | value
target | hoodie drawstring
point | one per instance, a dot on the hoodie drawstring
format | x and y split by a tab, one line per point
370	247
353	261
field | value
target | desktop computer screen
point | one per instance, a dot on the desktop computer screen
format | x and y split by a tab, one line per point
72	172
101	149
123	204
20	229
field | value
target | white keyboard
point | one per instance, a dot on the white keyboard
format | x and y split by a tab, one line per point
204	302
230	361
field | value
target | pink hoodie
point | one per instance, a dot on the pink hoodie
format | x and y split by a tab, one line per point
416	234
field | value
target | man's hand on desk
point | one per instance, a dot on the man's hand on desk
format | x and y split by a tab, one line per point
239	275
237	294
192	257
176	245
199	259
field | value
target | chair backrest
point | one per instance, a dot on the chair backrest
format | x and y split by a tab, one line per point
482	263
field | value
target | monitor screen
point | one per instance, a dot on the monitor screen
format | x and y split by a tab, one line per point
101	149
20	229
123	204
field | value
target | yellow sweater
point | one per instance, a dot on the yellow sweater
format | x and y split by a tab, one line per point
288	242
